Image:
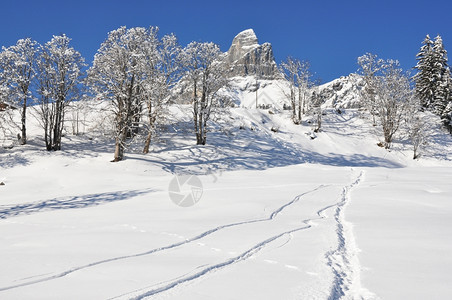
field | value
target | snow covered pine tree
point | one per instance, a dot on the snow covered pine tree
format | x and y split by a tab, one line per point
433	79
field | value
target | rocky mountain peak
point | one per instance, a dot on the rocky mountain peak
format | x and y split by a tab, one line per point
242	43
247	57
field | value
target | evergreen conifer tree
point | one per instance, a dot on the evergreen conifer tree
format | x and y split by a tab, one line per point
425	87
433	80
441	77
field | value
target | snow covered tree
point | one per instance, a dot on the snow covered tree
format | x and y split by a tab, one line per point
315	108
304	84
393	94
442	78
424	79
416	125
18	71
298	75
447	117
158	87
80	109
123	71
417	134
370	65
6	112
205	77
433	79
290	70
386	94
60	76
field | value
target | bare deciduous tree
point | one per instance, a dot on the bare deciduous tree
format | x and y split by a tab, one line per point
370	66
205	77
392	95
315	108
17	73
298	75
123	67
158	87
416	125
60	76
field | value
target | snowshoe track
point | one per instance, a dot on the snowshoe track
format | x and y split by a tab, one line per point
343	260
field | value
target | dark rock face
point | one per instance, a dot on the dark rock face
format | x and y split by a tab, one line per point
337	86
246	57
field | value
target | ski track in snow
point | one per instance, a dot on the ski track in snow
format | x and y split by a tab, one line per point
196	238
344	259
341	273
245	255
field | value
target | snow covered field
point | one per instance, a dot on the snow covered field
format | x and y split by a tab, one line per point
281	216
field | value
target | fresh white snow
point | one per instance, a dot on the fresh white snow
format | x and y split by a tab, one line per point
281	216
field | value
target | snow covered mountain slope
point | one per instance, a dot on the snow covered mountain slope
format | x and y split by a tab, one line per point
343	92
280	213
270	93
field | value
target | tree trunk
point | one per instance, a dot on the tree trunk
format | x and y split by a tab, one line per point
204	134
201	119
388	140
55	127
299	106
196	114
120	142
199	134
23	138
147	143
195	121
58	125
319	120
46	137
119	149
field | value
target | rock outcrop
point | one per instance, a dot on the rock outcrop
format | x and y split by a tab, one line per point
344	92
246	57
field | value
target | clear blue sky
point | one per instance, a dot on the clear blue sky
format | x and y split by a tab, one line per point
330	34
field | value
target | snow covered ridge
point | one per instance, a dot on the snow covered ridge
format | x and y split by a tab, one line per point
341	93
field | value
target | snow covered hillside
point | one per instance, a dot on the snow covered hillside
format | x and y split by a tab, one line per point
280	212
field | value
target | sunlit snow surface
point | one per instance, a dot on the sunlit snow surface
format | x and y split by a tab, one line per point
281	216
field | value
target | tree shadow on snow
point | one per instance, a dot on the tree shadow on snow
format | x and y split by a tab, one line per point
440	145
8	211
355	160
72	146
247	150
10	160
